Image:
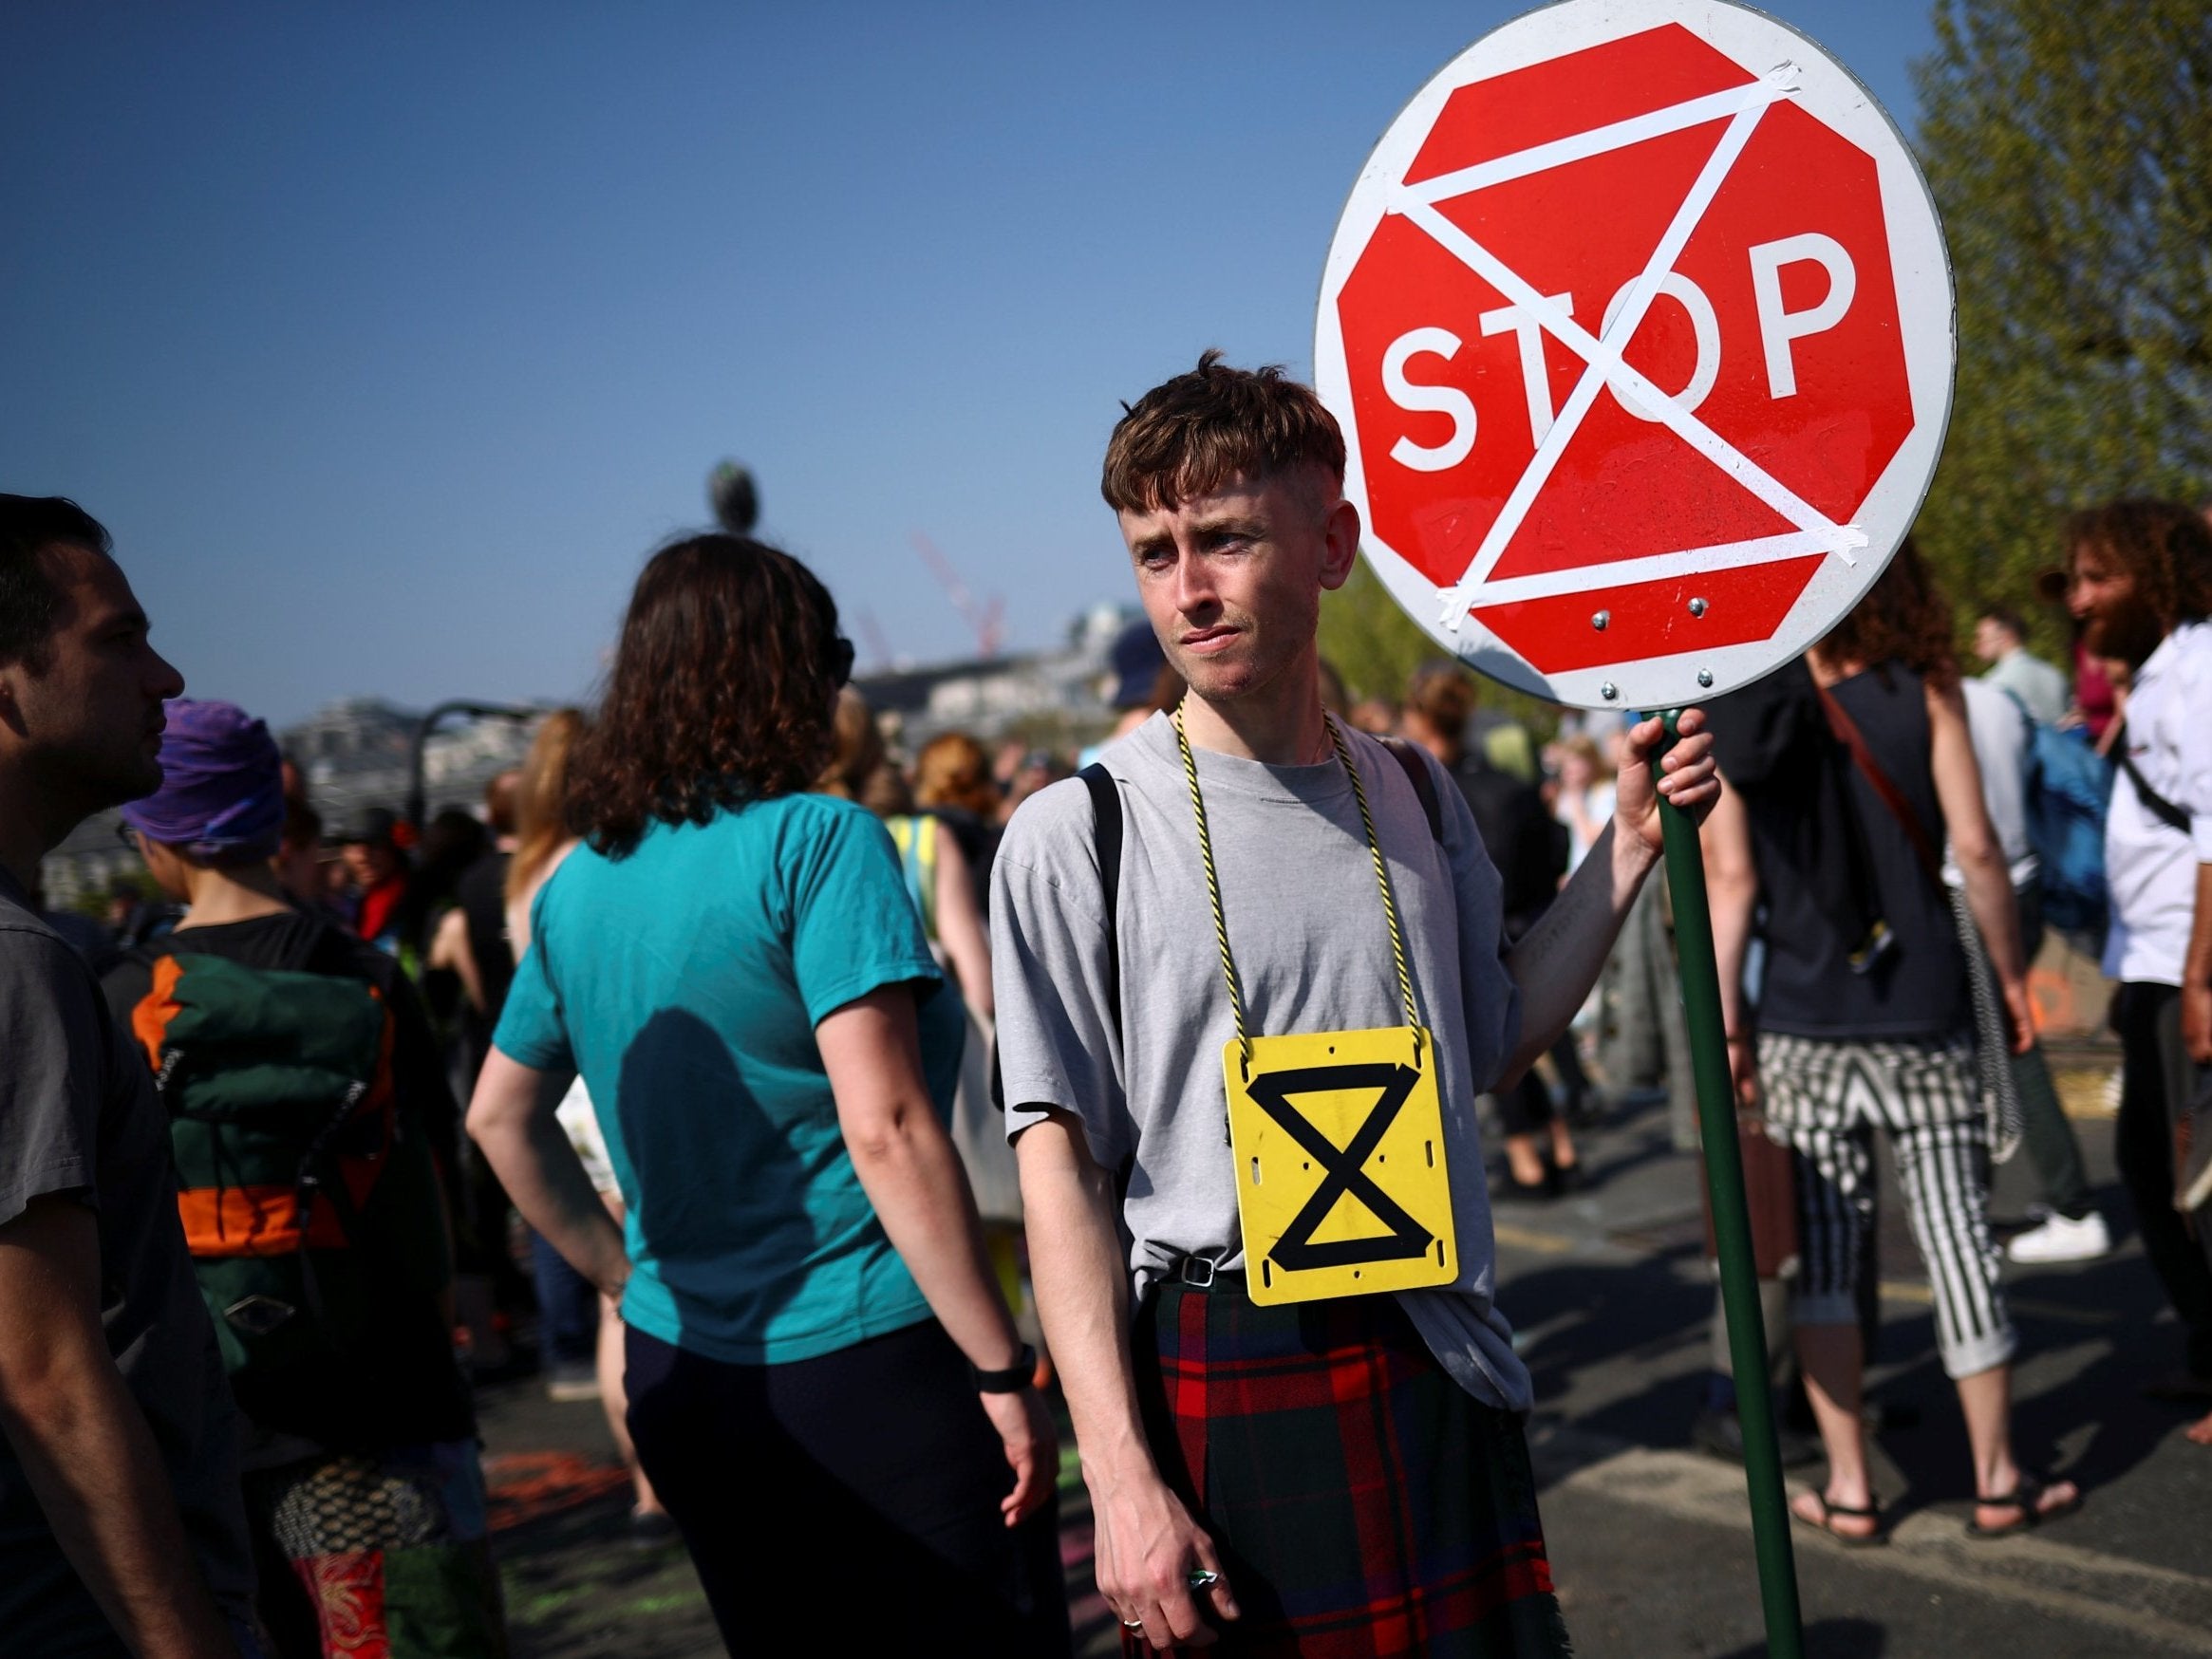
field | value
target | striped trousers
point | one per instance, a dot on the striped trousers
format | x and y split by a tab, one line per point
1823	1100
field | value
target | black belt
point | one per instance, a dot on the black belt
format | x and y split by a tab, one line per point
1202	1273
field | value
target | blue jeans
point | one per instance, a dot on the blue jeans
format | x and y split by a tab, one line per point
567	1308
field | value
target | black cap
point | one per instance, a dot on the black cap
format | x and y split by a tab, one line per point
369	826
1138	660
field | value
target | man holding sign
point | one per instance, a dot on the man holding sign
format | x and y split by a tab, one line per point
1250	981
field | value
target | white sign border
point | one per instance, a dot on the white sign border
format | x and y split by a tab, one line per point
1919	271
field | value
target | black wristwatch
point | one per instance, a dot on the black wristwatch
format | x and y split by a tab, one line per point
1020	1375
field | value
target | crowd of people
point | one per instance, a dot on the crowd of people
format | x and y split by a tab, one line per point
858	1102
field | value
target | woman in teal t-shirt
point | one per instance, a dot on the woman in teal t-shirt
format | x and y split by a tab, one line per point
825	1387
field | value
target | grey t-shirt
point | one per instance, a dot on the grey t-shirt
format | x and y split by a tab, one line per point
1305	924
79	1115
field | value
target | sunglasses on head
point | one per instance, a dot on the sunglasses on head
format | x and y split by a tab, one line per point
841	661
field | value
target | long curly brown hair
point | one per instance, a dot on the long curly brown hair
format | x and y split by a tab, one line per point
2166	547
1903	618
721	694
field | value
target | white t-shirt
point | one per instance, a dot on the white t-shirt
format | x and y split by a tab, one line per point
2151	866
1305	925
2002	737
2041	688
1598	807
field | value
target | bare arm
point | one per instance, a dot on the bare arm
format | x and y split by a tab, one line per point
2196	975
2196	798
450	949
1559	959
84	1442
1146	1541
959	926
913	1178
511	1117
1731	887
1980	860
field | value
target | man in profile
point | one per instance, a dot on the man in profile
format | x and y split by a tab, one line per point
122	1530
2000	639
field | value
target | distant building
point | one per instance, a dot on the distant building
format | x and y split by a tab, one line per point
991	698
353	755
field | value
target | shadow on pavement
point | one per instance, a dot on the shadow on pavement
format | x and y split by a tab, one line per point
1828	1639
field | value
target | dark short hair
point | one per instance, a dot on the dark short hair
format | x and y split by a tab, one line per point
720	693
1192	435
2165	546
1442	693
2005	617
30	605
303	825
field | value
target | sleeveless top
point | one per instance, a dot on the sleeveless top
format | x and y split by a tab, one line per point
1803	794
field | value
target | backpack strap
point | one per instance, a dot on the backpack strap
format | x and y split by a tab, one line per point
2159	807
1417	770
1847	734
1106	842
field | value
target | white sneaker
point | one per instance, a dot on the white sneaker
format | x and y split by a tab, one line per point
2059	1239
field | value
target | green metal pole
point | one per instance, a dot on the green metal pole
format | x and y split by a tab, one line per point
1732	1226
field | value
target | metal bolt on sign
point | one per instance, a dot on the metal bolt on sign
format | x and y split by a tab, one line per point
1640	307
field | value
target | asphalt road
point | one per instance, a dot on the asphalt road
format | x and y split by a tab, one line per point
1650	1540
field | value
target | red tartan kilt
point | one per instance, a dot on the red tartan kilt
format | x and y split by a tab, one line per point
1364	1503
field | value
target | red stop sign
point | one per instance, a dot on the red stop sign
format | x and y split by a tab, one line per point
1639	327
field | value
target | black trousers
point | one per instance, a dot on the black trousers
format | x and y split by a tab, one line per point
2155	1080
2051	1143
855	1495
1526	1108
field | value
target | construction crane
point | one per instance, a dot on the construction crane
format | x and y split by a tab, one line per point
871	635
987	621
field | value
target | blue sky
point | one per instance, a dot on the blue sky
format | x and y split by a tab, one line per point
387	339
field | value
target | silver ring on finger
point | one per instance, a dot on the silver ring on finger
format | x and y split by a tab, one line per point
1133	1624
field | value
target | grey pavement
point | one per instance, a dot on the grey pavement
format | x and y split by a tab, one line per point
1650	1540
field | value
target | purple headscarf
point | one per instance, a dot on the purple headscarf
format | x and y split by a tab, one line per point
222	783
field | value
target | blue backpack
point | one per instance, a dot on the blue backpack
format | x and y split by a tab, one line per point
2069	789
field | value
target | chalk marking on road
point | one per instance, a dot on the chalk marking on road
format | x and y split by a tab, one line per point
1905	1291
2068	1582
1529	1238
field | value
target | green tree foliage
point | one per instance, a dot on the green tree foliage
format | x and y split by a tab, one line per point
1370	642
2069	144
1376	646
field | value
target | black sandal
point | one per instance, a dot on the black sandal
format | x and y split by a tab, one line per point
2025	1501
1829	1509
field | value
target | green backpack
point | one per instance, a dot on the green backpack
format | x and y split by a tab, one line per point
279	1092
